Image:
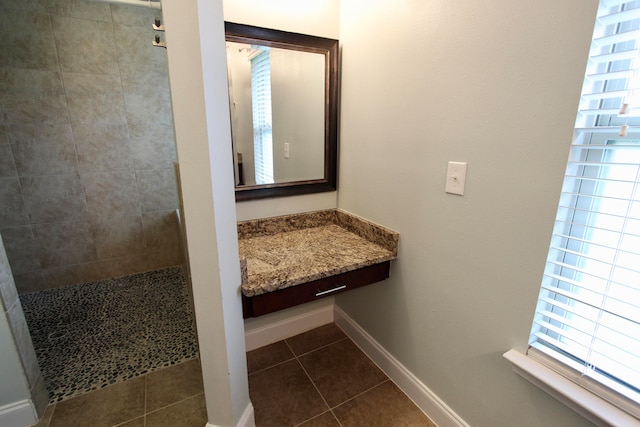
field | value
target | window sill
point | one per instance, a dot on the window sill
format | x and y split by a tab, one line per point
585	403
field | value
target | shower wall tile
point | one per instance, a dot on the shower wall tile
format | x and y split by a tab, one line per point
158	190
153	146
33	96
7	165
27	40
103	148
20	331
117	236
40	396
20	249
85	46
43	149
54	198
81	9
162	259
86	143
8	292
134	55
111	193
94	99
64	243
163	238
32	281
133	16
125	265
27	5
161	229
12	208
147	98
73	274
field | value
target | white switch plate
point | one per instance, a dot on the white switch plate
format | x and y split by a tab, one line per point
456	174
286	150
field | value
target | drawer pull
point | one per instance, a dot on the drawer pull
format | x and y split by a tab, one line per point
339	288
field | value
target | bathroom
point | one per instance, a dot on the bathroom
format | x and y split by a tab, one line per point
463	288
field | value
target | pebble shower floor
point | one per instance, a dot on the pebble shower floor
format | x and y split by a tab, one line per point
91	335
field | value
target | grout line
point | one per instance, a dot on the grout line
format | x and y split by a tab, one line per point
146	382
173	404
364	392
273	366
313	383
317	416
316	349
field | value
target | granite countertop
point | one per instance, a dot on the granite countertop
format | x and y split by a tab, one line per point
280	252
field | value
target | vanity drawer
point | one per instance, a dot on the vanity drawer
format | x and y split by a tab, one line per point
299	294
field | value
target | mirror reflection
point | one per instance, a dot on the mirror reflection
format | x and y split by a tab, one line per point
277	113
283	92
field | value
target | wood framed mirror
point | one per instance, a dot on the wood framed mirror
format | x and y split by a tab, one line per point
283	90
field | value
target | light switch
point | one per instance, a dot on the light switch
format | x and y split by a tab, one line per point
286	150
456	174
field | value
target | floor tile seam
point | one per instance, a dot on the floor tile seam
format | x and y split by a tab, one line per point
319	348
172	404
144	413
360	394
272	366
315	387
129	420
53	410
317	416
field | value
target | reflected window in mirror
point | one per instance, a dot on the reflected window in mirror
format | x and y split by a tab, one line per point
283	101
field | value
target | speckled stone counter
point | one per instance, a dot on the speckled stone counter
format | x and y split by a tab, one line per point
280	252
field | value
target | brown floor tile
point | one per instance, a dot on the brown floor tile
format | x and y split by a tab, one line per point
284	396
191	412
384	405
315	338
325	420
173	384
341	371
268	356
138	422
107	407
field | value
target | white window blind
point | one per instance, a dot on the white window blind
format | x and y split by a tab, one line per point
261	111
587	321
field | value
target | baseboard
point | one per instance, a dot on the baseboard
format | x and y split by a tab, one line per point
289	327
418	392
18	414
247	419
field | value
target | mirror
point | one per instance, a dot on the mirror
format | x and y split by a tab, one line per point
283	91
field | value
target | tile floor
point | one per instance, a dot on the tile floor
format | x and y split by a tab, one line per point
315	379
172	396
94	334
320	378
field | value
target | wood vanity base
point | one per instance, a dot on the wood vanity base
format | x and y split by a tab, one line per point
299	294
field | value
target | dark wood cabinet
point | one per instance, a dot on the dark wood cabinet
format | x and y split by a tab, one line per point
321	288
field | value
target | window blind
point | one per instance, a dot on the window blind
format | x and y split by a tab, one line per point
261	112
587	321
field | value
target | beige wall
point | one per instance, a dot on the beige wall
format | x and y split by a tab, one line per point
87	185
494	83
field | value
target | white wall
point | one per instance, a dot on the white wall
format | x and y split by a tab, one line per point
199	91
314	17
494	83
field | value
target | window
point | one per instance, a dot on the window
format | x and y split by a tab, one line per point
587	321
261	111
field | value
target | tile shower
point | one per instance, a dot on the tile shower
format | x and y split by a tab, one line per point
87	181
